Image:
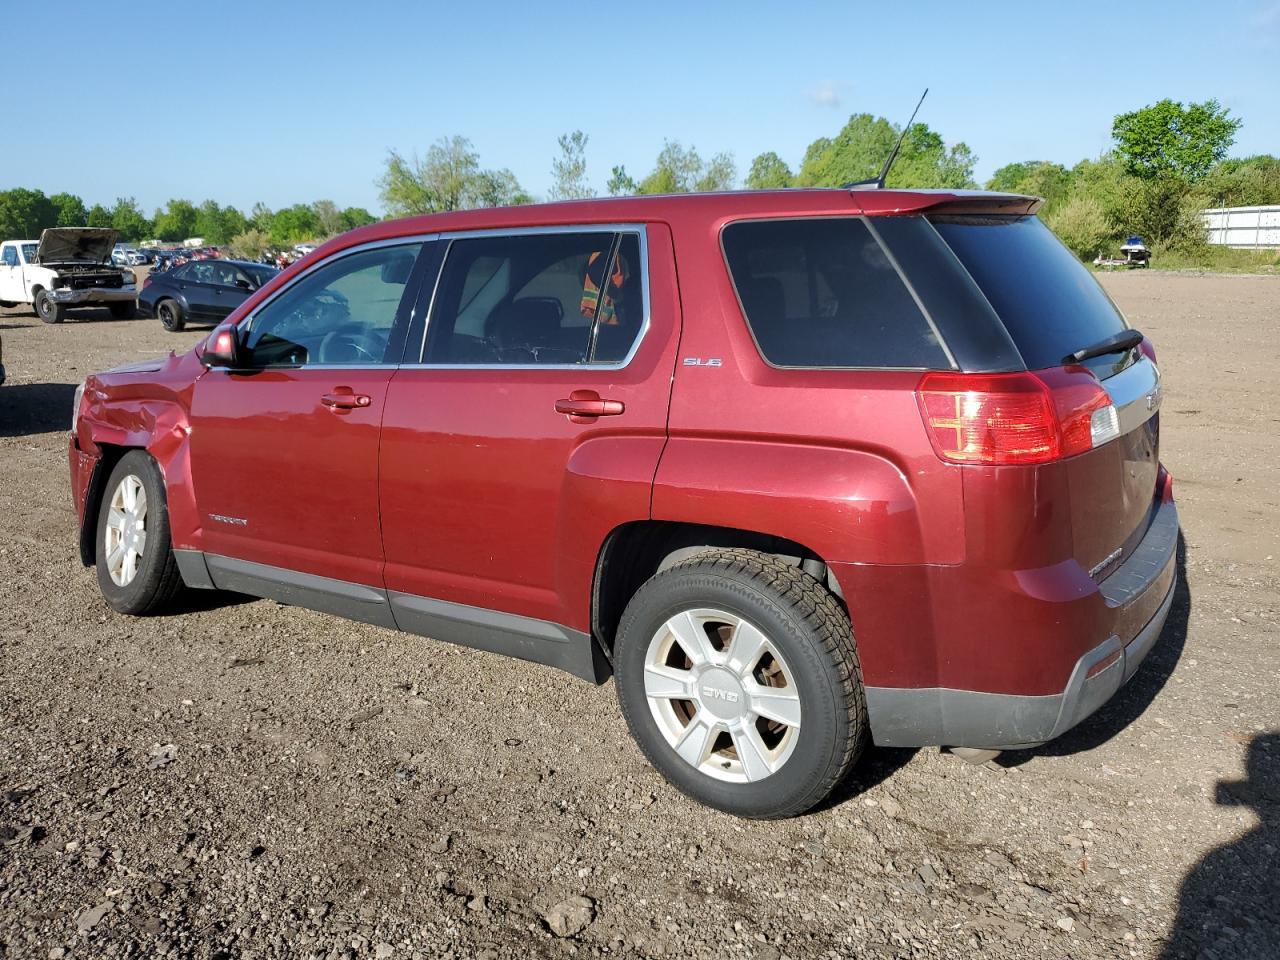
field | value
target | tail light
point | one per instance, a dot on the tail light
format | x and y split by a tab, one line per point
1016	418
146	281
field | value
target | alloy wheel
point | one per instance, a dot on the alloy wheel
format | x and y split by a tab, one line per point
722	695
125	539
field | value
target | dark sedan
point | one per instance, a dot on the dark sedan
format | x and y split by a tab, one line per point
202	291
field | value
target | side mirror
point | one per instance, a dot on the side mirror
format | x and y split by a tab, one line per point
222	349
243	284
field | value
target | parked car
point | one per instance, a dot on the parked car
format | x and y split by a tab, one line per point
136	258
800	468
67	267
202	291
300	250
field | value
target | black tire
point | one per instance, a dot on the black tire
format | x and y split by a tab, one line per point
122	310
47	310
157	580
170	313
810	631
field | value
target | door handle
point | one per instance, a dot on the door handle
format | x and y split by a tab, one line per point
345	401
583	406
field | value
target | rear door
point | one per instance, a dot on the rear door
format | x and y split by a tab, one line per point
284	451
534	422
197	284
1052	307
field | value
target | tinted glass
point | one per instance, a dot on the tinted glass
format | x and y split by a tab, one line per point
554	298
11	256
342	312
222	274
1050	304
822	293
258	274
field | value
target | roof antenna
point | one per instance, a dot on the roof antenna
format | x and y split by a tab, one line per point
878	182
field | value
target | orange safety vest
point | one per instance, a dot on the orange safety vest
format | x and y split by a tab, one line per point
591	294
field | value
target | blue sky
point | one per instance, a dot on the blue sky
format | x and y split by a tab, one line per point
289	102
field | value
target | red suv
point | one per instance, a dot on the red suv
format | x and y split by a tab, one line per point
800	467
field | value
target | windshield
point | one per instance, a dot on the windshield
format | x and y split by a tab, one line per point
1050	304
258	274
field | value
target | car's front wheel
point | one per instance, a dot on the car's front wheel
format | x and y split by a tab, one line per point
137	571
170	314
739	678
47	310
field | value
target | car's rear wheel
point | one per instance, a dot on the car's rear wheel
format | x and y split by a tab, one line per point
47	310
137	571
739	678
170	314
121	310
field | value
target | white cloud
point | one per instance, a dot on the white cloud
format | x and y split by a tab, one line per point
825	94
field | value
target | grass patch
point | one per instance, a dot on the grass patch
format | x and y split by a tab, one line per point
1215	259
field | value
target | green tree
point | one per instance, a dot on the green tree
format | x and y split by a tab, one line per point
24	213
621	184
569	170
1035	178
769	172
1248	182
328	217
1167	139
1081	223
294	225
861	147
99	216
251	244
177	221
495	188
129	221
260	217
353	217
71	210
217	225
676	171
719	173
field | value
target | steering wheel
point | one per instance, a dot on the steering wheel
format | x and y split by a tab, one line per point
347	338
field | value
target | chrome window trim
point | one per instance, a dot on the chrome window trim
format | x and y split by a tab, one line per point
639	229
893	263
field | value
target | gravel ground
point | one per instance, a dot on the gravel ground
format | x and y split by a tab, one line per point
252	780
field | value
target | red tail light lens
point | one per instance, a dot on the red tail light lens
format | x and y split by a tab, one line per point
1015	418
146	281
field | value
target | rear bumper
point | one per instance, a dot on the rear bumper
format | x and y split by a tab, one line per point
75	298
913	717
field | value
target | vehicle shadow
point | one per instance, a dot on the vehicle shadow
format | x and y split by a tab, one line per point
15	326
206	601
1229	905
31	408
1136	695
877	765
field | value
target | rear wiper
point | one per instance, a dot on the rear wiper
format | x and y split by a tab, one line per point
1124	340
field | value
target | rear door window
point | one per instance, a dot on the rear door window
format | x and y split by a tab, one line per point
1049	302
556	298
822	293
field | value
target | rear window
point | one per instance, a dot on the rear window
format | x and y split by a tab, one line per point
1050	304
822	293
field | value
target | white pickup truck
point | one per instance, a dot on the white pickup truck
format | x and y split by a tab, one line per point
67	267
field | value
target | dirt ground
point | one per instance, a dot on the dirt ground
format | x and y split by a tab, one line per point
252	780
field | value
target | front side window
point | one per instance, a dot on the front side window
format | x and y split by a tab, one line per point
29	252
822	293
554	298
341	313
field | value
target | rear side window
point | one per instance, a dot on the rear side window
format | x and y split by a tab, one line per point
549	298
822	293
1050	304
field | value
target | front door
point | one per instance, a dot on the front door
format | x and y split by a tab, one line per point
534	425
11	274
284	452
